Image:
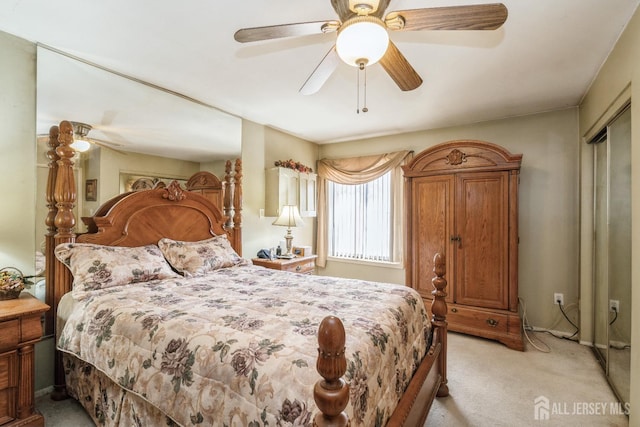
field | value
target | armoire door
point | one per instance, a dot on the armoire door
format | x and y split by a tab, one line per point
432	224
482	239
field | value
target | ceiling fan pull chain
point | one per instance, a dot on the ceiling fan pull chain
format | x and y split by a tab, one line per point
358	91
362	67
365	109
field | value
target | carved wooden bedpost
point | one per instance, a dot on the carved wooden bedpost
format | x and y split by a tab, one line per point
332	393
228	194
65	197
49	243
439	314
237	206
233	202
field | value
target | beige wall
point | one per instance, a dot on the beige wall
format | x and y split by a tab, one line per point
17	141
617	82
548	213
18	145
216	167
261	147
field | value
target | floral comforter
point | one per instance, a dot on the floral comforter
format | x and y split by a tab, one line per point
238	347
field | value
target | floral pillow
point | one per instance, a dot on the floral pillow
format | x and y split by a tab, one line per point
99	267
199	258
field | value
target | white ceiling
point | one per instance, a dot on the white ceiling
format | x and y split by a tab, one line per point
543	58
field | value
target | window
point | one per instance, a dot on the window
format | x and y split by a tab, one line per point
360	208
360	220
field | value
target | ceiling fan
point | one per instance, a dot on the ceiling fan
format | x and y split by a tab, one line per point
363	35
81	141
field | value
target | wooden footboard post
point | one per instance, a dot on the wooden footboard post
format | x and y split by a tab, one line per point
237	206
332	393
439	317
49	244
228	194
65	196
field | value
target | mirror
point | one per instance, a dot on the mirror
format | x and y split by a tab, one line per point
155	132
619	361
612	258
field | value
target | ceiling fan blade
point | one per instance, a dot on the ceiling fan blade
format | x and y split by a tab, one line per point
107	145
397	66
246	35
103	142
471	17
321	73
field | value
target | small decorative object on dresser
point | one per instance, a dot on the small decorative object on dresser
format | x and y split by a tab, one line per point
12	282
300	264
301	250
20	329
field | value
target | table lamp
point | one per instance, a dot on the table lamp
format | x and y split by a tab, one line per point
289	217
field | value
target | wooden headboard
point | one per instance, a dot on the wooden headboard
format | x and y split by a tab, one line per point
212	207
144	217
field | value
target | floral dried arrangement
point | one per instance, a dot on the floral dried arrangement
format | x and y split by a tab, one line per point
292	164
12	282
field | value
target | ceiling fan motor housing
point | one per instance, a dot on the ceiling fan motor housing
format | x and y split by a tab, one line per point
362	40
80	129
362	7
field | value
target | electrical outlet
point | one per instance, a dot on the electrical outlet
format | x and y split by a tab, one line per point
558	298
614	305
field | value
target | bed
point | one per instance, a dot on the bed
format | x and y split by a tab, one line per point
224	342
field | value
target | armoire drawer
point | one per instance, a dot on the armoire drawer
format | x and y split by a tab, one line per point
471	318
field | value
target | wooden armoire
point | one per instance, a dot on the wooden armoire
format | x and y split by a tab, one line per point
462	200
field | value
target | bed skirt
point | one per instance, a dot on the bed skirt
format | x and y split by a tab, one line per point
106	402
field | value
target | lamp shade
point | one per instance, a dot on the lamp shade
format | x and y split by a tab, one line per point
80	144
289	217
362	39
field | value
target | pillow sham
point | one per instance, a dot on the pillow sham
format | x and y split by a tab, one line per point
99	267
193	259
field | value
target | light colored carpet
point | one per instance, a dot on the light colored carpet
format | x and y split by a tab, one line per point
489	384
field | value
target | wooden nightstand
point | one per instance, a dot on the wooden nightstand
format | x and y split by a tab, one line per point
20	329
299	264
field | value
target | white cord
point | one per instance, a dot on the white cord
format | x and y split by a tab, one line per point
526	334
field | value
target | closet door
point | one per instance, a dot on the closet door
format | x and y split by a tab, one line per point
432	226
612	259
482	239
601	252
620	260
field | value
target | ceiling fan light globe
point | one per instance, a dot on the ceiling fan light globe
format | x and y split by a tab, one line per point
80	145
362	39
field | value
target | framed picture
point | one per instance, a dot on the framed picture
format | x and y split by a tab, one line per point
91	190
301	250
